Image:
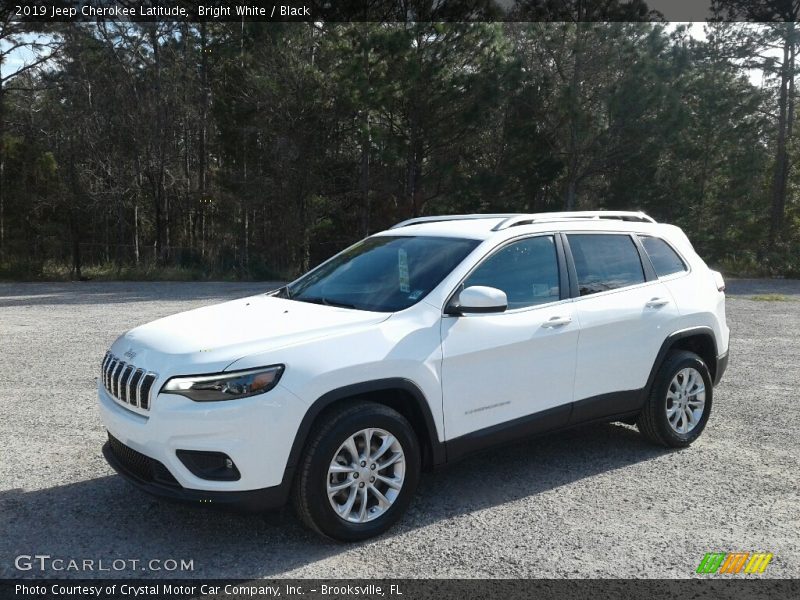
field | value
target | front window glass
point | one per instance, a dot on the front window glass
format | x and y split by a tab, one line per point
382	273
527	271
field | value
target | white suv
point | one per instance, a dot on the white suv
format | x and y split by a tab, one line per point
410	349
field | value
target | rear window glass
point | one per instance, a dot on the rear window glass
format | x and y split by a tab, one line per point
605	262
665	260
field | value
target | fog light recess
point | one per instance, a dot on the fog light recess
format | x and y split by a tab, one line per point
213	466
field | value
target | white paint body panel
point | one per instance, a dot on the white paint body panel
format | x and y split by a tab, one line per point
620	337
501	367
461	364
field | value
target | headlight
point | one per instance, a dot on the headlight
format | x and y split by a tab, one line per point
225	386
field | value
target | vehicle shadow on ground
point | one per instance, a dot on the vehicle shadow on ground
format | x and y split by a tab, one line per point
107	518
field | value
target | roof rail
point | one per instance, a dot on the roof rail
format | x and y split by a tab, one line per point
438	219
622	215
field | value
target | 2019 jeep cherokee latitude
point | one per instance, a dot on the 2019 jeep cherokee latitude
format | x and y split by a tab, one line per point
410	349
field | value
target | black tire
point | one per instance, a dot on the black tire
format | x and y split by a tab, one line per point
653	422
310	490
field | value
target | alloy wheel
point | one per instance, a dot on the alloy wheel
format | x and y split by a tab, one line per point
686	400
366	475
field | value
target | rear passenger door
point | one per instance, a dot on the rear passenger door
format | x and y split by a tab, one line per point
624	313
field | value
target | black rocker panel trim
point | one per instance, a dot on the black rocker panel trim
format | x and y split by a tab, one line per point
508	432
605	407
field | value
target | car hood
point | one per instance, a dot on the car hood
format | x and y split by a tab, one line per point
211	338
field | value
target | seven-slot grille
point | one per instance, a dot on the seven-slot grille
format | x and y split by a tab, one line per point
127	383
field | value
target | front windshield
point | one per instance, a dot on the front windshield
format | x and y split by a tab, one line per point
382	273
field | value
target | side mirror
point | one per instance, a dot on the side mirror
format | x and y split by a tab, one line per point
478	299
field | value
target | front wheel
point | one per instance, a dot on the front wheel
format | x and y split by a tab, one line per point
359	472
677	410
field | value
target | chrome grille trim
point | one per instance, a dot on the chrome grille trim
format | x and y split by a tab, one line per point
127	383
107	374
139	389
115	375
125	393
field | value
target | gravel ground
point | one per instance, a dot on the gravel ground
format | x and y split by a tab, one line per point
593	502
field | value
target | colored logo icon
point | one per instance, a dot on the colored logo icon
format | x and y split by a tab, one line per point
734	562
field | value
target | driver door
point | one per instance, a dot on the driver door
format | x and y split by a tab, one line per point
512	373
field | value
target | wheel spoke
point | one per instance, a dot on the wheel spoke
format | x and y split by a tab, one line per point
335	488
347	507
387	443
697	390
351	447
362	510
688	381
390	481
340	468
383	501
389	462
367	443
684	379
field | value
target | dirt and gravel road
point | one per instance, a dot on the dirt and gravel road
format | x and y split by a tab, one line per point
593	502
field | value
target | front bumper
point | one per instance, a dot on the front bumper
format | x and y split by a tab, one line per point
159	485
257	433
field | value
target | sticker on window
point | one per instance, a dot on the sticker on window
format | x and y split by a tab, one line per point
402	266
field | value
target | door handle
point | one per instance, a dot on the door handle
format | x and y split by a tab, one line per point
557	321
656	302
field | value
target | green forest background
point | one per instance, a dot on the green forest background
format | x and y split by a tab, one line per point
255	150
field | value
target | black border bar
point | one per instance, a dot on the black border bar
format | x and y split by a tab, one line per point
51	11
734	588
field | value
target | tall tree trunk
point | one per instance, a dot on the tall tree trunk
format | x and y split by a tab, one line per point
136	231
573	145
413	165
366	142
2	203
571	192
365	199
414	159
120	234
204	104
785	113
76	252
2	165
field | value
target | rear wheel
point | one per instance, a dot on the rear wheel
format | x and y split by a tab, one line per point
677	410
359	472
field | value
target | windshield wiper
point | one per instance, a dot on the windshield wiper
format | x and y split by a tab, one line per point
282	292
324	301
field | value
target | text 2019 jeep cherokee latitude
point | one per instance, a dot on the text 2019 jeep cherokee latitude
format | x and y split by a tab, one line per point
410	349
